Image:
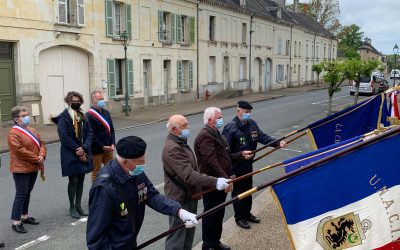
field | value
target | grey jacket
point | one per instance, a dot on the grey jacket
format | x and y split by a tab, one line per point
179	161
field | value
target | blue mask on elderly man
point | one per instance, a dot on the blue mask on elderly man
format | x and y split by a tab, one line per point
220	123
137	171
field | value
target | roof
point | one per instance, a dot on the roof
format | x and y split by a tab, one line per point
368	46
266	9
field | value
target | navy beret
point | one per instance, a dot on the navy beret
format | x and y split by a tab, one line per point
131	147
244	105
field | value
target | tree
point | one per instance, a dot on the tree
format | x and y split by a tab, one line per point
351	36
317	68
334	76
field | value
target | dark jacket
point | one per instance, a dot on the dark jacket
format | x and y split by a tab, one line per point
244	136
101	136
213	154
109	227
70	162
179	162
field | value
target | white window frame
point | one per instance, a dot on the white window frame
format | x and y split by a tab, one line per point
74	11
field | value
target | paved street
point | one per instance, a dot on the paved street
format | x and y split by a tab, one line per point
49	202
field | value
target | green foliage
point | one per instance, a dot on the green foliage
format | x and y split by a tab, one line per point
317	68
350	36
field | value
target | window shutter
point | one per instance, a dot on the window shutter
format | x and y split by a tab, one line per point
178	28
80	10
62	11
191	75
130	77
111	77
128	19
179	75
109	18
173	28
161	25
192	29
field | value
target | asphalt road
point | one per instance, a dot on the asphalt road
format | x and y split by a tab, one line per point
49	202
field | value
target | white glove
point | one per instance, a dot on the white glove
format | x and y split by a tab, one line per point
187	217
222	183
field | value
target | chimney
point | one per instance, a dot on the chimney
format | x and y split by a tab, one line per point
242	3
367	40
281	3
296	5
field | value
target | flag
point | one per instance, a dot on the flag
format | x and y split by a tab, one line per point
393	107
305	159
351	201
356	120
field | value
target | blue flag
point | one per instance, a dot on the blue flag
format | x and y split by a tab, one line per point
356	120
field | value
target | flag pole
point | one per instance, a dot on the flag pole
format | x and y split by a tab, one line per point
272	182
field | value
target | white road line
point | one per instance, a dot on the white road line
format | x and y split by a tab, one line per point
339	97
293	150
34	242
80	221
159	186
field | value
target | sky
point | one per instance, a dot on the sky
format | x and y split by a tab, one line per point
378	19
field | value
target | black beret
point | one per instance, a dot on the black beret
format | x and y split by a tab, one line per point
244	105
131	147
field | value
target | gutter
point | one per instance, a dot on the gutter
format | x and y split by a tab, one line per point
251	32
197	51
290	57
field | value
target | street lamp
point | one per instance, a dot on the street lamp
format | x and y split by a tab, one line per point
125	42
395	52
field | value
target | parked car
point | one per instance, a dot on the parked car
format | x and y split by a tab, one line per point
395	73
378	73
383	84
368	85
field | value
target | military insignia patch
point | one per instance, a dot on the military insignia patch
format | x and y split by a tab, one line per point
342	232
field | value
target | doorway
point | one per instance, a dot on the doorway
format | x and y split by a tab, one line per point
166	80
225	73
268	69
146	81
7	80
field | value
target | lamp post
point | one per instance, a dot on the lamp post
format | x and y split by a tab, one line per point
395	52
125	43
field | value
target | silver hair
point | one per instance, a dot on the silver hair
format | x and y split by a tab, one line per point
171	124
209	113
94	92
15	111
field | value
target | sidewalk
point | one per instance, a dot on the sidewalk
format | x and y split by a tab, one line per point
160	113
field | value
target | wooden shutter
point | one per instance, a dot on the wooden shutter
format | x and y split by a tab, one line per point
191	75
130	77
178	28
109	18
173	28
111	78
179	75
192	29
128	19
161	31
62	11
80	13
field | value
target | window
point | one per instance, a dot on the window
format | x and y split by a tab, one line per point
280	73
324	52
317	52
211	28
306	73
116	77
299	49
306	50
71	12
287	47
242	68
176	28
244	33
234	31
280	46
295	48
211	69
118	18
184	75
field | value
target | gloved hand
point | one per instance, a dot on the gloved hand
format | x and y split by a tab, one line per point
222	183
187	217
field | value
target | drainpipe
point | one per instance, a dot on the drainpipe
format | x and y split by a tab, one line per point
197	50
290	56
251	32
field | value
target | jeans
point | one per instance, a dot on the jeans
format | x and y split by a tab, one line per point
24	183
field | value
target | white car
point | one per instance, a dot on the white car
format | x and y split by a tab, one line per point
378	73
368	85
395	73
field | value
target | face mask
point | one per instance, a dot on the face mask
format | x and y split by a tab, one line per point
101	103
246	116
26	120
220	123
75	106
137	171
185	133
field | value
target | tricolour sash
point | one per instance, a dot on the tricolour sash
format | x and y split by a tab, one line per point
27	133
100	119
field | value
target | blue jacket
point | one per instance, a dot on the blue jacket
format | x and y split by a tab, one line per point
244	136
101	137
70	162
117	207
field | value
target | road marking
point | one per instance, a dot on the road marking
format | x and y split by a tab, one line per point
159	186
339	97
80	221
34	242
293	150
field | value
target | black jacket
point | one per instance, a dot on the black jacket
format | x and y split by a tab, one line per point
101	136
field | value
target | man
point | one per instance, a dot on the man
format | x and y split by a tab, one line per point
118	197
214	158
183	179
242	133
103	132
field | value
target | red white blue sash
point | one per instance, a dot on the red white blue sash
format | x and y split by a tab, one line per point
101	119
28	134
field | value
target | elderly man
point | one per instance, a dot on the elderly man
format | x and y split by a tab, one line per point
118	197
103	132
242	133
182	179
214	158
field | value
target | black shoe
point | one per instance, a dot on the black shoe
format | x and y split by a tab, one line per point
253	219
74	214
81	212
2	245
30	220
19	228
223	247
243	224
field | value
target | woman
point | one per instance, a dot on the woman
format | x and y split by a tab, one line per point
76	137
27	155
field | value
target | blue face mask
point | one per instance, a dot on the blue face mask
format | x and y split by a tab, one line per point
137	171
185	133
220	123
26	120
101	103
246	116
